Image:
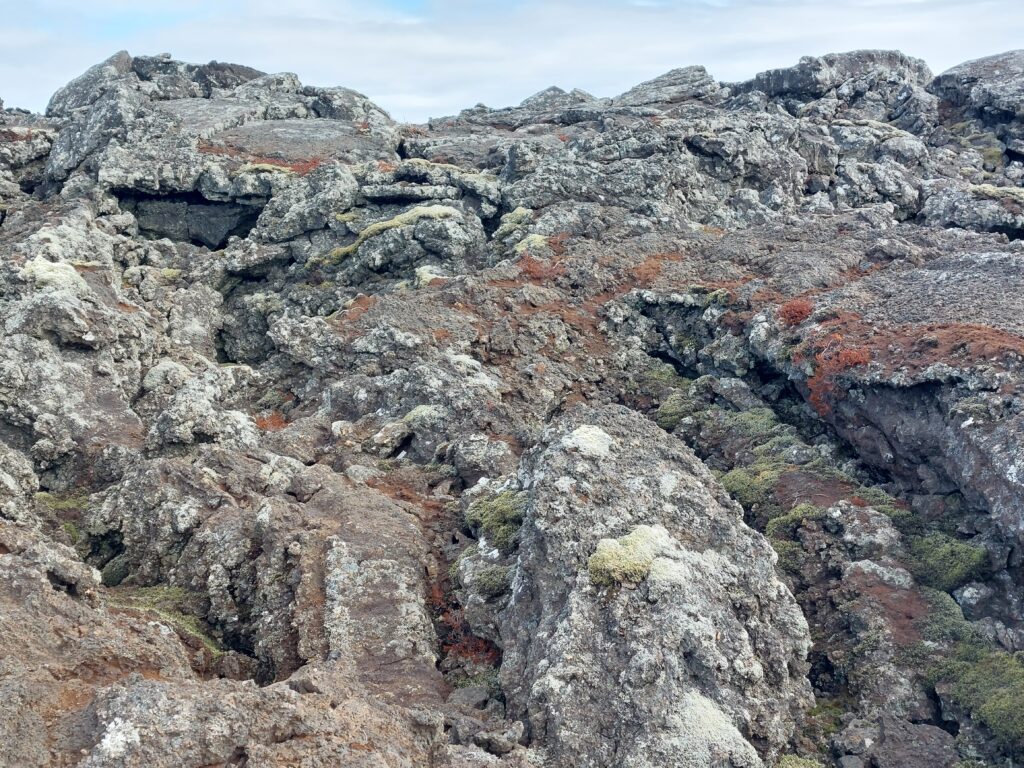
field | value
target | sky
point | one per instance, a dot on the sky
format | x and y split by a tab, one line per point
430	58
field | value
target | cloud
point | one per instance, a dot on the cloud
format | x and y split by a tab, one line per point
428	58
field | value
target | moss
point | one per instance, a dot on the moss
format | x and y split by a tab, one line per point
989	684
453	569
265	168
512	221
986	681
173	606
682	342
170	274
404	219
755	423
945	622
887	505
626	560
753	486
63	502
776	445
992	157
945	563
992	192
71	531
422	413
498	518
827	715
346	217
529	243
661	377
784	527
493	581
789	554
718	297
793	761
673	409
488	680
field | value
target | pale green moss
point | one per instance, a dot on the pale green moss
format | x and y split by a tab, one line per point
265	168
993	192
990	684
421	413
348	216
488	680
530	243
945	563
784	527
626	560
63	502
404	219
755	423
992	157
170	274
170	605
493	581
793	761
662	377
511	221
673	410
71	531
498	518
753	487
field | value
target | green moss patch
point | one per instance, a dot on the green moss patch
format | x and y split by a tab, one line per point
63	502
493	581
404	219
990	685
784	527
753	486
793	761
626	560
945	563
673	409
173	606
498	519
986	681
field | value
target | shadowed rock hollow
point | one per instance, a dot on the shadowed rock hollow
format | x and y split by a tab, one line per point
679	428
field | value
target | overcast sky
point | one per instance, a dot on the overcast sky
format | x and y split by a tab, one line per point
421	58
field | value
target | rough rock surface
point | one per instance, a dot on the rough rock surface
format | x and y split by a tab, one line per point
677	428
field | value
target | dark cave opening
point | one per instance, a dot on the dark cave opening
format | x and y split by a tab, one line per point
190	217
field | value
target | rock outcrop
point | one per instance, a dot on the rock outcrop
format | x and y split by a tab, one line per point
677	428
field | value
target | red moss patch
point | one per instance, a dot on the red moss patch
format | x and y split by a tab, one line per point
795	311
272	422
650	269
301	167
538	270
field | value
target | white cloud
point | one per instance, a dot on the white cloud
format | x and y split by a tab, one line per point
438	57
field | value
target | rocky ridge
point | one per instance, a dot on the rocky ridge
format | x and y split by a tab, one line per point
676	428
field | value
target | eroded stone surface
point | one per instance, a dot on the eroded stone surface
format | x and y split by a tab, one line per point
326	440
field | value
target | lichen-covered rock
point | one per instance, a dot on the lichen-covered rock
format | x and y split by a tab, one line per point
532	436
646	624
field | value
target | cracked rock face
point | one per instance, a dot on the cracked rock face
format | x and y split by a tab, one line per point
676	428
